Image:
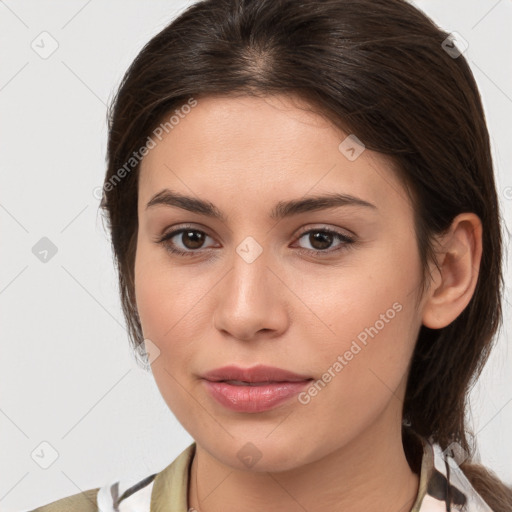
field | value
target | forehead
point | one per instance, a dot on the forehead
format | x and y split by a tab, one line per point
251	148
236	127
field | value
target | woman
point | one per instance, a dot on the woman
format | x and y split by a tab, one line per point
304	215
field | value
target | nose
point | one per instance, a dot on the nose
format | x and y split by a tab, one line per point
251	300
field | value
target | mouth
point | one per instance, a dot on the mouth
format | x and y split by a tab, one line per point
261	383
256	375
253	390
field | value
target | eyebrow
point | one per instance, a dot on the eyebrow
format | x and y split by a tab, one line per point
281	210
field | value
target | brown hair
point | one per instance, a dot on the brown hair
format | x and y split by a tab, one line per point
377	69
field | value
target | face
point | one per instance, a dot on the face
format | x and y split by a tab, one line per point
325	293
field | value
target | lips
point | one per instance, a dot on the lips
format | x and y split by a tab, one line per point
255	375
253	390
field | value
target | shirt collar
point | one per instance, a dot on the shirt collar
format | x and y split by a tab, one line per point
442	485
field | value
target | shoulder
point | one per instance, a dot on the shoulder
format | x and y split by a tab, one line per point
81	502
169	486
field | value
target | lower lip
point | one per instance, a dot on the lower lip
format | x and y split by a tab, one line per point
254	398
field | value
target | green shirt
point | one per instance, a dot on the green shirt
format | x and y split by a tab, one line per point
441	482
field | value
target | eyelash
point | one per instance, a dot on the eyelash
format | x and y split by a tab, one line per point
347	242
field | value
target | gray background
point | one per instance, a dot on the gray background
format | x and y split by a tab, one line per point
67	375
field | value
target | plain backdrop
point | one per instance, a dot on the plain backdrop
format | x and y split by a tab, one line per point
75	410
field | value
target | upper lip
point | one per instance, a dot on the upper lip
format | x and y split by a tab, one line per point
259	373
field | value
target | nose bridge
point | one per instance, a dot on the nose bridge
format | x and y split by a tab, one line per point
250	250
249	273
248	301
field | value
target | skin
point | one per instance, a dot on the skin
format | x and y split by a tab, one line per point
294	310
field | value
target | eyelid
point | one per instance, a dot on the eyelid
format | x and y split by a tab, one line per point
324	227
346	240
304	229
180	228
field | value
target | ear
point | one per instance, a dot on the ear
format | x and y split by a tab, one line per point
458	256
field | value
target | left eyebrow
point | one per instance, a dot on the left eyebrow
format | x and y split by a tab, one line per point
281	210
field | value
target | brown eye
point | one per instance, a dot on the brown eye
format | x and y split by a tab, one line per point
321	240
192	239
188	241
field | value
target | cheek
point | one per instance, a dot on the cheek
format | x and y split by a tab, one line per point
152	296
167	296
165	302
362	303
171	304
360	371
365	330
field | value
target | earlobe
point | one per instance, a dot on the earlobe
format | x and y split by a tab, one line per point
459	256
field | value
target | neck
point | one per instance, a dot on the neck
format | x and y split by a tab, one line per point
370	473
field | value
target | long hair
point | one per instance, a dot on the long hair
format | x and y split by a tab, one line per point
378	69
